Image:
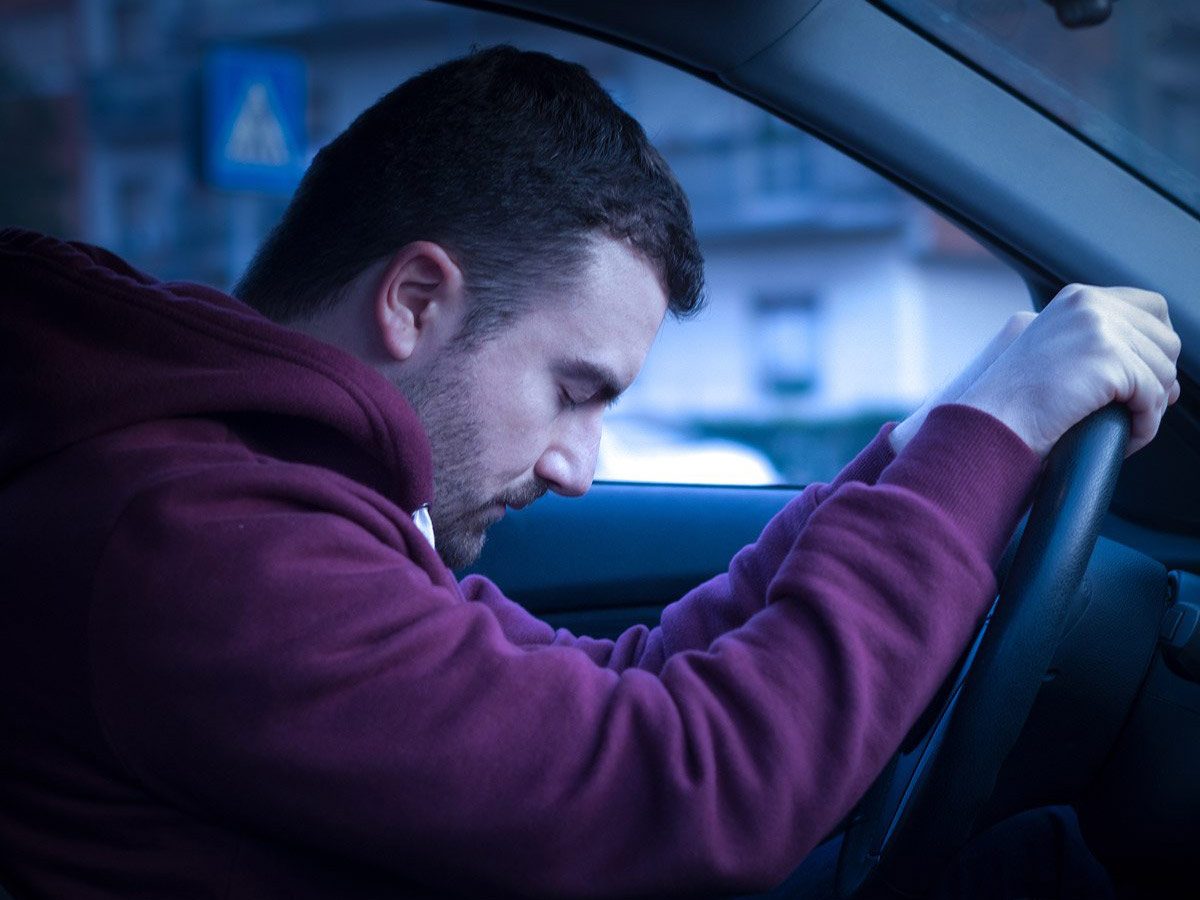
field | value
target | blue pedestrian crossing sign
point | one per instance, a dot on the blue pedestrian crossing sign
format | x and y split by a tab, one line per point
254	107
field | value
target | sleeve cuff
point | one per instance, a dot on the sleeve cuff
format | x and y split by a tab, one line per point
870	461
974	468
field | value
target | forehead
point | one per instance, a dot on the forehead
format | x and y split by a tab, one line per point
609	318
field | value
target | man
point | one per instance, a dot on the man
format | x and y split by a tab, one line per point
235	662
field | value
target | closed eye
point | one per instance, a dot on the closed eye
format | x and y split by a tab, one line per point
569	401
585	382
566	400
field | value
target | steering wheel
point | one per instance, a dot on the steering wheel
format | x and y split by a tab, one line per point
921	809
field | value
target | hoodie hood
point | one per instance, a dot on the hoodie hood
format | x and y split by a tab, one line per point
88	345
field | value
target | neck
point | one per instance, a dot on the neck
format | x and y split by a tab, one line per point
349	322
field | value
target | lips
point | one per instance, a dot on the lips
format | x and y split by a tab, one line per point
523	496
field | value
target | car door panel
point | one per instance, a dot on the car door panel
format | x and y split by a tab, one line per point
616	556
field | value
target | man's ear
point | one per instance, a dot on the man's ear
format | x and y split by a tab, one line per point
419	300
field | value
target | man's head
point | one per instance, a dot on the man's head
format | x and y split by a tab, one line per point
489	222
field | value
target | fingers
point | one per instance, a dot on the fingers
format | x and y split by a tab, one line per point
1128	335
1149	349
1158	331
1137	324
1151	352
1147	400
1153	347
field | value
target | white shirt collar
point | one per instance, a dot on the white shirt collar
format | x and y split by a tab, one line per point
424	524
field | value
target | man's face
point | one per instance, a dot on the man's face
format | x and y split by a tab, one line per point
520	413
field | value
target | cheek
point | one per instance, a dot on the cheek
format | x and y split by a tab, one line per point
516	397
517	424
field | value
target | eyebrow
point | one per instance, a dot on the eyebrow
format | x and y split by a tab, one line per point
608	385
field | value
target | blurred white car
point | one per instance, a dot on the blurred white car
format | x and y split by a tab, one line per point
634	450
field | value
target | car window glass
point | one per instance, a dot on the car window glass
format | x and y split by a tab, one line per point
836	302
1127	83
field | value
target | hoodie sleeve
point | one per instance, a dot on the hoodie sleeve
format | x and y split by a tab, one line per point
263	652
709	610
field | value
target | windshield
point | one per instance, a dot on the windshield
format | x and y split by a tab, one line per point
1131	84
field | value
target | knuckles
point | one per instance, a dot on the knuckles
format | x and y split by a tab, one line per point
1092	324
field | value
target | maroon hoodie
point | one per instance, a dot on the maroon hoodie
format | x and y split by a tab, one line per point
234	667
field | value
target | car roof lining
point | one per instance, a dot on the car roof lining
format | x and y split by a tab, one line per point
691	34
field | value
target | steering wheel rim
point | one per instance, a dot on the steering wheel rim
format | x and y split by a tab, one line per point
921	809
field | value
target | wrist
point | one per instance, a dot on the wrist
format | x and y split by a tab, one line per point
1008	415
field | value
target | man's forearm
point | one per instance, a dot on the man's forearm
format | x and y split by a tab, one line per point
707	611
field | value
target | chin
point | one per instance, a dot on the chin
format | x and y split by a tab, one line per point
461	550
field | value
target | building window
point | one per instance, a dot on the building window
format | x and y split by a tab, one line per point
786	336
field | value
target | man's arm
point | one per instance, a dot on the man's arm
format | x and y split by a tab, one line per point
729	599
266	653
709	610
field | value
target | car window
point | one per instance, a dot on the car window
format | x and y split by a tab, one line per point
835	302
1127	83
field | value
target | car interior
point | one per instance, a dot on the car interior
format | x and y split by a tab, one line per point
1082	686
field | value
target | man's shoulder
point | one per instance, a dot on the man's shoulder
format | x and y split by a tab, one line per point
194	468
169	443
122	464
223	459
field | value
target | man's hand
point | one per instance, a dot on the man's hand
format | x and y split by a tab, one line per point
903	433
1090	347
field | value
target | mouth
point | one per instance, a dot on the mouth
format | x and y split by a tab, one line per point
521	499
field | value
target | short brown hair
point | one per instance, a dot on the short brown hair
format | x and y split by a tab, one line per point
509	159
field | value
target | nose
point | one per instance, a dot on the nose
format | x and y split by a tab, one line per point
568	463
